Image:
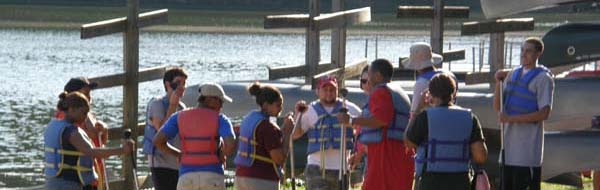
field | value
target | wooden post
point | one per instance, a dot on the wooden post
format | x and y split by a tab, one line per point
312	42
496	55
338	42
130	90
437	27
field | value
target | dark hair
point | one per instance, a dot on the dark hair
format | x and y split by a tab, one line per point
264	93
71	100
442	86
537	43
172	73
383	67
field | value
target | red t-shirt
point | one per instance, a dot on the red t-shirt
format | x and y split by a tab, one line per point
388	167
268	137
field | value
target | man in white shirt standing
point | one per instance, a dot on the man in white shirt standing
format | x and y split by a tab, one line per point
324	132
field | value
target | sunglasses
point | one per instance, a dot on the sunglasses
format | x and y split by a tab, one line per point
363	81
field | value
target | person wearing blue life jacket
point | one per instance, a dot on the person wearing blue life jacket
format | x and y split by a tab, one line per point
358	159
262	145
164	167
426	64
324	135
382	127
447	138
206	137
528	93
68	151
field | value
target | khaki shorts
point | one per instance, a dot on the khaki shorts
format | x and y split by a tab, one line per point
201	181
248	183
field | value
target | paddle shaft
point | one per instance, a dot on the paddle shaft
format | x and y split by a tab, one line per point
342	172
292	163
127	136
104	175
502	154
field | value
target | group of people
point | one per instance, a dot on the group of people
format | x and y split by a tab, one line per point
430	143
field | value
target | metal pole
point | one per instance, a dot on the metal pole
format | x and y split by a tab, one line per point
510	55
366	47
449	62
376	46
473	53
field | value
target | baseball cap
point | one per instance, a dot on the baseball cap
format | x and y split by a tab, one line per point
78	83
327	80
215	90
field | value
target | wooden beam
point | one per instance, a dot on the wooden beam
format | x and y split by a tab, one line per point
496	55
497	26
131	89
338	41
427	12
295	70
437	28
286	21
454	55
342	19
352	70
312	55
149	74
119	24
477	78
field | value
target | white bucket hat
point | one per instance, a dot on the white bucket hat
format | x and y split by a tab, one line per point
215	90
421	57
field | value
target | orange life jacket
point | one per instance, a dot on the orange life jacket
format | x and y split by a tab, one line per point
199	137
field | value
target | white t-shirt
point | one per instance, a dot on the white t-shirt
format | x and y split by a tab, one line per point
332	156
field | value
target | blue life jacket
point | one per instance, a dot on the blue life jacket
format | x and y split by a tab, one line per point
55	156
246	154
447	148
517	97
326	132
396	129
429	74
150	131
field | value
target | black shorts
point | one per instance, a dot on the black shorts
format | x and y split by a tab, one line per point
164	178
519	177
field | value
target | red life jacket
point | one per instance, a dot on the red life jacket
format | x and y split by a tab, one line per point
198	133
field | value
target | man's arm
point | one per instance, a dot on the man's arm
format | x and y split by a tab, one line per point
537	116
160	141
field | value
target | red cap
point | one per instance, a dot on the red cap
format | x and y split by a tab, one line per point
327	80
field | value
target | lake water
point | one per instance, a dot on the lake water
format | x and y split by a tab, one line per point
36	64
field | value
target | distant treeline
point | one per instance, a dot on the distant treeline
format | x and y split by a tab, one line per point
273	5
266	5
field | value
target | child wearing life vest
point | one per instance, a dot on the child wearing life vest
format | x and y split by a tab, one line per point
447	138
94	128
262	145
68	151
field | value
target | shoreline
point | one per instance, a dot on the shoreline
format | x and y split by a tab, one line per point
240	29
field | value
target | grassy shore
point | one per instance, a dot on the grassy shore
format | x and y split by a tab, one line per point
61	17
